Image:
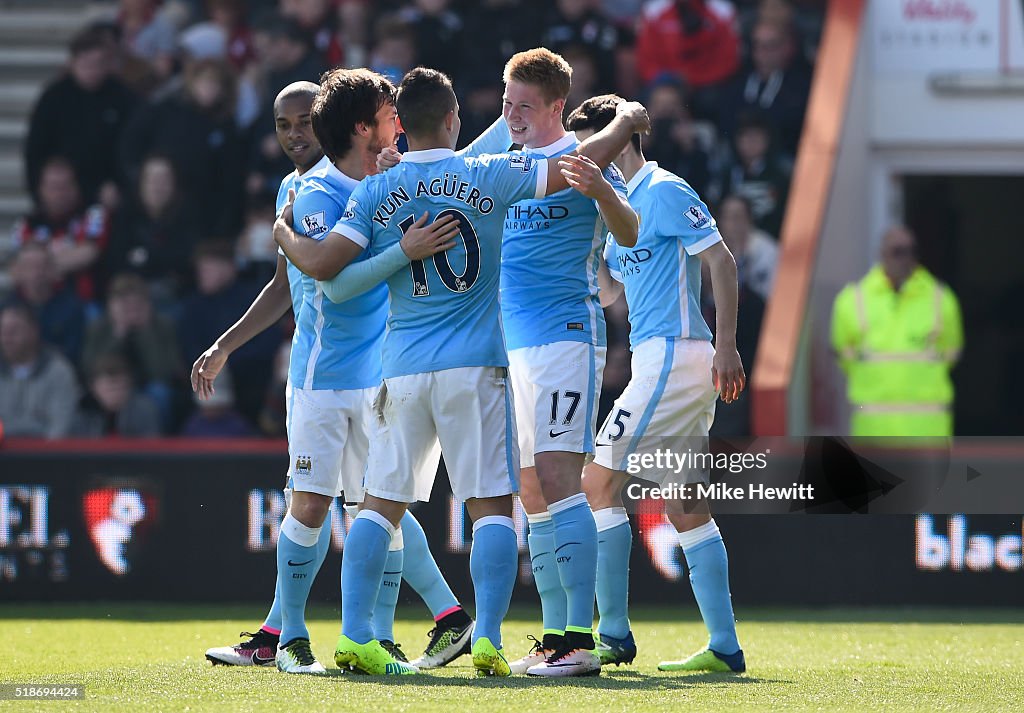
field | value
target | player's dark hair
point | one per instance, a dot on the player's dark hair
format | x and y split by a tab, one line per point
347	97
542	68
595	114
295	90
424	99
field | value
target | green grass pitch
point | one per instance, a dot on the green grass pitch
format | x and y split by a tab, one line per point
141	657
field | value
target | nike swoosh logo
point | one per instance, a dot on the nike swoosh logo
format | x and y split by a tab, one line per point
462	636
560	433
259	660
298	564
602	445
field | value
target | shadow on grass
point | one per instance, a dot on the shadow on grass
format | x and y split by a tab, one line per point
172	612
608	680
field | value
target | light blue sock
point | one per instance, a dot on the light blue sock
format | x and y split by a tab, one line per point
576	559
323	546
493	564
362	568
553	604
296	567
614	542
709	576
387	597
421	571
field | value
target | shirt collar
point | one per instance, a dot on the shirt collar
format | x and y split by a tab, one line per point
555	147
320	165
427	155
347	181
646	170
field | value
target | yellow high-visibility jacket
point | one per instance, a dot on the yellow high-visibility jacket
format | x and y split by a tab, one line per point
897	349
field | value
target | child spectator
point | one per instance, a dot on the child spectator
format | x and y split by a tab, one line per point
112	406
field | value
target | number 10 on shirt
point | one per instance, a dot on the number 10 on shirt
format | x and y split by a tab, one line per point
454	282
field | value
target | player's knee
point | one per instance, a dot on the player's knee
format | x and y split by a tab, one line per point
558	474
602	488
310	508
486	507
530	493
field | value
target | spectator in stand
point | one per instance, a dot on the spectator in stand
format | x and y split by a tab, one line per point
256	251
439	36
132	328
354	32
59	313
79	116
197	127
317	19
231	17
585	79
757	172
112	406
155	232
216	416
218	300
777	85
38	390
695	40
498	29
581	24
76	236
674	142
756	253
149	34
394	48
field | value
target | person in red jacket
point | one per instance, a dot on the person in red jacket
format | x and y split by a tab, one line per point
693	39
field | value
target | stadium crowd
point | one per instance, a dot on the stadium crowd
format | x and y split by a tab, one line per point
153	167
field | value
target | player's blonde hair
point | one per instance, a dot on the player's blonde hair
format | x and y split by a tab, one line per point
543	69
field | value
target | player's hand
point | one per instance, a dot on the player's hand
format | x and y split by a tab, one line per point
283	224
289	206
638	114
421	240
206	369
388	158
727	373
585	176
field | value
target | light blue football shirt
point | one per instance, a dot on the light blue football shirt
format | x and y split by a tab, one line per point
549	268
444	311
292	181
661	273
335	346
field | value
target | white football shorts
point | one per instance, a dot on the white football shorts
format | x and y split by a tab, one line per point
468	411
328	440
669	404
557	387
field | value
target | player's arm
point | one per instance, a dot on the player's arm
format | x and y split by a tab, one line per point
609	286
494	140
269	306
727	368
586	177
419	242
605	145
320	259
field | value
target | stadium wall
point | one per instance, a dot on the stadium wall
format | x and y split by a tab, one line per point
169	521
